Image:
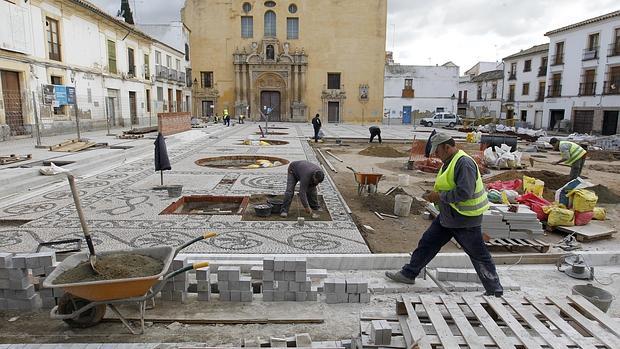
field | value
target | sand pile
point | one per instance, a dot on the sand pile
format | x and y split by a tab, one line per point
383	151
113	267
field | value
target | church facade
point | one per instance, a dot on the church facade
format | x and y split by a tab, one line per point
288	59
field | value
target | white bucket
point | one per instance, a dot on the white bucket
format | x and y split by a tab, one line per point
402	205
403	180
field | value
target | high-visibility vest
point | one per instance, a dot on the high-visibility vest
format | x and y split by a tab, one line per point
575	152
478	203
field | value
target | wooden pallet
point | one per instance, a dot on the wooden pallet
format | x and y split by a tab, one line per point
141	130
130	136
477	322
72	145
4	160
590	232
514	245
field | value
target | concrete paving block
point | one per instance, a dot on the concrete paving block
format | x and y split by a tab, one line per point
179	262
256	272
277	342
339	286
267	295
235	296
290	296
4	273
312	296
19	284
224	296
179	296
19	261
46	293
300	276
268	275
301	264
331	298
5	283
306	286
203	274
234	275
203	286
289	275
362	286
223	285
222	275
279	296
245	283
351	286
3	304
317	273
268	285
364	297
268	263
279	275
293	286
6	260
278	264
40	271
343	297
329	285
303	340
25	293
246	296
46	259
289	264
282	286
234	285
353	298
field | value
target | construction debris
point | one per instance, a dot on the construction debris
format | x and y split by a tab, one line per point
5	160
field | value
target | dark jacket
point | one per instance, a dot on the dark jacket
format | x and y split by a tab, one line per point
303	171
316	122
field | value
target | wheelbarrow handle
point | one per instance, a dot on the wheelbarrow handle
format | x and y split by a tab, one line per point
351	168
194	266
205	235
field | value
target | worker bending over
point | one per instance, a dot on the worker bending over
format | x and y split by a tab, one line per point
308	175
375	131
572	154
462	200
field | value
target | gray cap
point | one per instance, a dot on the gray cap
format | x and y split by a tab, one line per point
437	139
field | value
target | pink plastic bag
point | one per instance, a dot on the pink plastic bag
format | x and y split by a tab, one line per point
535	203
583	218
514	184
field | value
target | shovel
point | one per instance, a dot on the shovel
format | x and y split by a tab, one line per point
78	206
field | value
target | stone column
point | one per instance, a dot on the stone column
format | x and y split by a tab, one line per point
302	82
238	88
293	83
245	87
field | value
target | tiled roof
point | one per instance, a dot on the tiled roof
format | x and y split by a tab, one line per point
489	75
530	51
586	22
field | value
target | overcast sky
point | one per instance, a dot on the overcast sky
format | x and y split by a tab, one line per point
434	32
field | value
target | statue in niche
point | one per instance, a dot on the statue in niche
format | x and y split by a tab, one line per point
270	52
254	47
285	47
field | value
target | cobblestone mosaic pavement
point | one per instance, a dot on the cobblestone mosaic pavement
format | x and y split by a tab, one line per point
123	211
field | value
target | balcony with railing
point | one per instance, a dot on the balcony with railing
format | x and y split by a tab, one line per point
612	87
161	72
172	75
181	78
408	92
614	49
557	59
542	71
587	88
512	75
131	72
554	90
590	53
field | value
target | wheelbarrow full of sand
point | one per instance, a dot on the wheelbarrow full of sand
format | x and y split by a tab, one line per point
366	182
84	303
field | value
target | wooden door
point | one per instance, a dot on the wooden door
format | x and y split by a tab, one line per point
583	120
12	97
271	99
333	112
610	123
170	101
133	110
179	101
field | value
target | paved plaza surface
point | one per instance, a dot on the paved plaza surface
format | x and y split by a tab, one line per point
123	211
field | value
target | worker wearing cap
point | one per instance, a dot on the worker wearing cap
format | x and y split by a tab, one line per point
375	131
462	200
572	154
309	176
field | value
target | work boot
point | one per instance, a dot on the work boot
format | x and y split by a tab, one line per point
497	294
283	214
399	277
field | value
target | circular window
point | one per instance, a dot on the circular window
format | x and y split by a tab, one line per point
292	8
270	4
247	7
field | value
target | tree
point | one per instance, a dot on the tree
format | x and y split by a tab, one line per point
125	12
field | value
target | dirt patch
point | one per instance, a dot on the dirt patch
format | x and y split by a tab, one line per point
601	155
605	196
383	151
113	267
605	168
241	162
296	210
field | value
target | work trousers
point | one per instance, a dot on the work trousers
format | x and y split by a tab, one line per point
576	167
311	194
373	134
316	134
469	238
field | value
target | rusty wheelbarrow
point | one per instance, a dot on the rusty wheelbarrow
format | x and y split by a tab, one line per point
84	303
366	182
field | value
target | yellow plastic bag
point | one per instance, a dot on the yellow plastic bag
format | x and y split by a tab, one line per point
533	185
599	214
558	215
583	200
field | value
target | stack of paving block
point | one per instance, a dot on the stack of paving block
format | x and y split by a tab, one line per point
232	286
176	289
523	224
203	285
454	274
493	225
349	290
380	332
16	287
286	279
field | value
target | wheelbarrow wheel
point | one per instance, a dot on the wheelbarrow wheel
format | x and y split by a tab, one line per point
68	304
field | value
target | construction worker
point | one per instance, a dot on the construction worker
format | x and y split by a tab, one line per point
316	125
309	176
375	131
226	117
572	154
462	199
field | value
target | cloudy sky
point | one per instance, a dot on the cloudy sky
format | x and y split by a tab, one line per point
427	31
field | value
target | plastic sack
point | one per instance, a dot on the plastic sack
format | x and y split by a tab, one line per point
599	214
583	200
577	183
321	134
489	157
52	170
536	204
559	216
583	218
533	185
514	184
494	196
511	196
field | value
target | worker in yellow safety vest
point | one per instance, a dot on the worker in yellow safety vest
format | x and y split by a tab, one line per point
462	199
572	154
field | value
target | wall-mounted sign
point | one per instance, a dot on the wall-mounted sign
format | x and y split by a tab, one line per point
364	92
58	95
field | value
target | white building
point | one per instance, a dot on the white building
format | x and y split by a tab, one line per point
583	76
120	73
525	75
412	92
480	91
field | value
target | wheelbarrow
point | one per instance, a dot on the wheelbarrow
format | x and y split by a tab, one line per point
366	182
84	304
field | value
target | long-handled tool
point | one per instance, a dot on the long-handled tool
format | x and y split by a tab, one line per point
92	258
532	160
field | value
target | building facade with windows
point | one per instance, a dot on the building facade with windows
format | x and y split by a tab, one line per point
480	91
583	76
525	74
413	92
291	58
111	64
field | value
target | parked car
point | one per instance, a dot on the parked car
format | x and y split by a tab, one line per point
441	119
